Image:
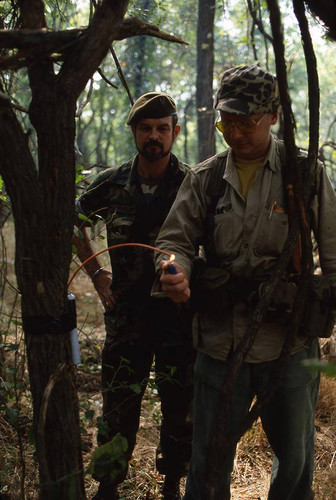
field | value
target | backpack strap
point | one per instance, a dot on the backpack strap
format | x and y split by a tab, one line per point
303	163
215	190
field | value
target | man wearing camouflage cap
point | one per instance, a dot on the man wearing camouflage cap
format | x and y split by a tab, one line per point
234	204
134	200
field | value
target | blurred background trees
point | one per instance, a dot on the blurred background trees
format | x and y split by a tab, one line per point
241	35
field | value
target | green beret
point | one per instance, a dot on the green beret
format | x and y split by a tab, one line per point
152	105
245	90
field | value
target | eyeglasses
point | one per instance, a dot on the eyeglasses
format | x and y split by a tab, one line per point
245	125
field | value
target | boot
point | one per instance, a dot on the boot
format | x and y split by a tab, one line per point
171	488
106	491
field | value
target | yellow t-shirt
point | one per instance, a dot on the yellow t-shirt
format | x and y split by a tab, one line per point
247	171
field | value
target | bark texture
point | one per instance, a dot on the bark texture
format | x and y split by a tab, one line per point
204	91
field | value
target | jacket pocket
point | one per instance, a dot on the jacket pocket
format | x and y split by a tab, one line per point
119	226
272	233
228	234
212	333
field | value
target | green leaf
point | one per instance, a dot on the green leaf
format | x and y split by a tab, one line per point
109	460
89	414
102	427
83	217
12	414
16	322
9	347
125	360
79	175
78	233
6	384
135	388
329	369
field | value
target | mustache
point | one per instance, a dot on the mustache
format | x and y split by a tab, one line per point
152	143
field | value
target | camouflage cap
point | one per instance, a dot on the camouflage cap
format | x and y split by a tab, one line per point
152	105
245	90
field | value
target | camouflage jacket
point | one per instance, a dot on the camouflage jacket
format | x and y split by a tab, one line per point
116	197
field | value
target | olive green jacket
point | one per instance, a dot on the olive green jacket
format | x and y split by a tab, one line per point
248	238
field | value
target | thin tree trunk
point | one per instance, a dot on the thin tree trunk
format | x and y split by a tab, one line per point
204	98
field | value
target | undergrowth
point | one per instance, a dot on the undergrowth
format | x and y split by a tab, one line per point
18	465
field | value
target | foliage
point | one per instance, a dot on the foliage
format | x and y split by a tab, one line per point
153	64
241	43
322	366
171	68
109	459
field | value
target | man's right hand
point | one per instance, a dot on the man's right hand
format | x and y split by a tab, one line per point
102	284
175	286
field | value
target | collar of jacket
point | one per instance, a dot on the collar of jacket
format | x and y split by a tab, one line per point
127	173
272	159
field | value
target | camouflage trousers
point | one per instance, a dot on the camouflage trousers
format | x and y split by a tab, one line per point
126	370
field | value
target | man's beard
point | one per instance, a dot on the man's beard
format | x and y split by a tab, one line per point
151	154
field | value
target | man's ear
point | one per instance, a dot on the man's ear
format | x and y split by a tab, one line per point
176	131
274	119
133	129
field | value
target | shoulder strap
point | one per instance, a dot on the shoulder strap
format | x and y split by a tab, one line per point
302	159
215	190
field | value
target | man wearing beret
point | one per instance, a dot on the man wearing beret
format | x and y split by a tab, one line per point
134	200
235	204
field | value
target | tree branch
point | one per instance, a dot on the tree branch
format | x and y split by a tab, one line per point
87	100
104	77
32	13
135	27
46	40
121	75
43	42
313	81
258	22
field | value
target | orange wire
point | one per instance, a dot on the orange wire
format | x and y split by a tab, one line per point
111	248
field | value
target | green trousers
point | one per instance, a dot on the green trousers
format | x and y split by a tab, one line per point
288	421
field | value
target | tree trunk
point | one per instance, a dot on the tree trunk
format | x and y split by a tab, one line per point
43	253
326	11
43	208
204	99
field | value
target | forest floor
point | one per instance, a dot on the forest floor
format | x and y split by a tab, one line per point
18	467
